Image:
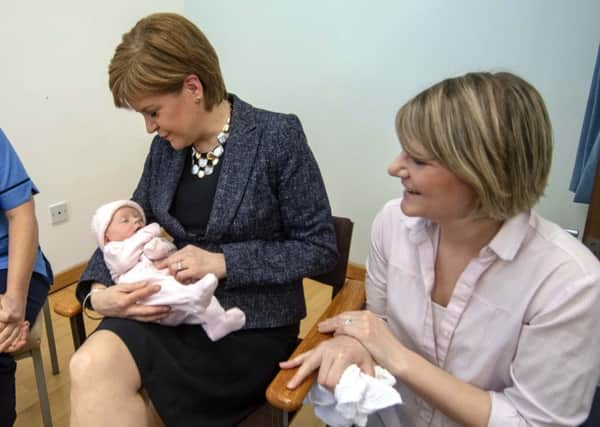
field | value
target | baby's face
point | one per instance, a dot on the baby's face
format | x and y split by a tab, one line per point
124	223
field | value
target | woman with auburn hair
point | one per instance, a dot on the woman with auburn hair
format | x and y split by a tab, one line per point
484	311
241	194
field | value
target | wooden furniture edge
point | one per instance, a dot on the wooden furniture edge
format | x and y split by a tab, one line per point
67	277
356	271
350	297
66	304
69	305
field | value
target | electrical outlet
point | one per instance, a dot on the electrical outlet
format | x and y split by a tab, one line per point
58	212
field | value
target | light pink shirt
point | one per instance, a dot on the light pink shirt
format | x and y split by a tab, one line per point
523	321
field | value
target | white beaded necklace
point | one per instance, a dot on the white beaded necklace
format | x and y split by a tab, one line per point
204	164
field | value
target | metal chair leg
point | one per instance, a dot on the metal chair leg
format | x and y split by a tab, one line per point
51	342
38	367
77	330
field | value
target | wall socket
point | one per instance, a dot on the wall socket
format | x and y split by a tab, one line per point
58	212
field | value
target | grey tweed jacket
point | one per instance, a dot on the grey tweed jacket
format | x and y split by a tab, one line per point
270	216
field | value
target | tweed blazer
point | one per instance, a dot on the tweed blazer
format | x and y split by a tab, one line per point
270	216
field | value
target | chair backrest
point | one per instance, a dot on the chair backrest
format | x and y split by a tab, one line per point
337	277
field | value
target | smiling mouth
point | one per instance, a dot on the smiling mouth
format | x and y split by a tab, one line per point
411	191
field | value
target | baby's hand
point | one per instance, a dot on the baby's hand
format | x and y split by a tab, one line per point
152	228
158	248
150	246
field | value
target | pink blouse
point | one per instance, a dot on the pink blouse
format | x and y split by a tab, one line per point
521	322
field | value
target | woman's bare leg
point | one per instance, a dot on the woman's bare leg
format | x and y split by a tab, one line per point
105	384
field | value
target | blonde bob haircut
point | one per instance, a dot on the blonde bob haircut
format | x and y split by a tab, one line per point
155	57
491	130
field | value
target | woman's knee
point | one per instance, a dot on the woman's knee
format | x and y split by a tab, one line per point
103	356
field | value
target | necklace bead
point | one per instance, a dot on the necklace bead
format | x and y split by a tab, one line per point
203	164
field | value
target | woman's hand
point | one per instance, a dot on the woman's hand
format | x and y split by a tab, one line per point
20	339
122	301
12	315
331	357
372	332
192	263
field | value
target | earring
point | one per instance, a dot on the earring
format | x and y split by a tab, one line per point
197	100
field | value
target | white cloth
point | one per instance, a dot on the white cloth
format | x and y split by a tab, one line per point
355	397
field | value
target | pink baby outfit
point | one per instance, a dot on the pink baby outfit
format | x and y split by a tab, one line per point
131	260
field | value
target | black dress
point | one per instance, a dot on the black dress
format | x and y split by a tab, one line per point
191	380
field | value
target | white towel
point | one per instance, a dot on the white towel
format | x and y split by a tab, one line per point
355	397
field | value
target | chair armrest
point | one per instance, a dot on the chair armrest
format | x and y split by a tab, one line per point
65	303
350	297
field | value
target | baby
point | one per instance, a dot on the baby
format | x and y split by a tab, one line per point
130	247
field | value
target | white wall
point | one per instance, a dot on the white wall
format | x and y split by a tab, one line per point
57	110
345	67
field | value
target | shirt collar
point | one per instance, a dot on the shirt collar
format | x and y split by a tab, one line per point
505	244
419	229
510	237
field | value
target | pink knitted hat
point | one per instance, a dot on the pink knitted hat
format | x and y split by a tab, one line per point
104	215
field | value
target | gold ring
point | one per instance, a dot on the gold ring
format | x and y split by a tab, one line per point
179	266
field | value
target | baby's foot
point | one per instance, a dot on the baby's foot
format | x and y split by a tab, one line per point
231	320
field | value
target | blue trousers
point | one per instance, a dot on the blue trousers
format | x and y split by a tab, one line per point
38	292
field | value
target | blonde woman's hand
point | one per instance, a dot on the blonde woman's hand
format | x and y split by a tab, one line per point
191	263
121	300
331	358
371	331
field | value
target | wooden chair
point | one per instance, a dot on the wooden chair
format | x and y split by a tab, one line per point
347	294
32	349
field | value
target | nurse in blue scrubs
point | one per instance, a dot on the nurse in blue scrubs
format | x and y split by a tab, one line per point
25	275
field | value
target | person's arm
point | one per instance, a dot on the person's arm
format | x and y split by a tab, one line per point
20	244
22	250
310	244
553	374
462	402
118	300
333	356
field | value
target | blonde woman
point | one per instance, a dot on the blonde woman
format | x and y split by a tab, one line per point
240	192
485	312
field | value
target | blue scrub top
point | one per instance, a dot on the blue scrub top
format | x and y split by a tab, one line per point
16	188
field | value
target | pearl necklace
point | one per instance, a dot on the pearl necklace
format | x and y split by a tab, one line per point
204	164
